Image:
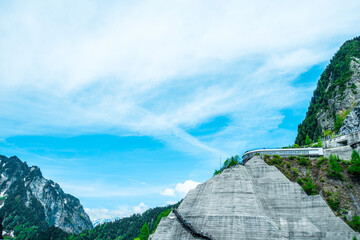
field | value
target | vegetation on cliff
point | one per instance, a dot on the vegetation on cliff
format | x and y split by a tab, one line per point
337	181
229	162
333	82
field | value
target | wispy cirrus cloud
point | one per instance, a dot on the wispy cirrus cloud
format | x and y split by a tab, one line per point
160	68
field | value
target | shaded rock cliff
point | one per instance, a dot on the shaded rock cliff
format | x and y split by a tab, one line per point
255	201
26	197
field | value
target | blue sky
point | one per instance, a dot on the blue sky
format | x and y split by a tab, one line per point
128	105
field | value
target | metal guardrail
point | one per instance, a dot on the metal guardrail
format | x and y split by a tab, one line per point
323	139
253	149
283	152
188	225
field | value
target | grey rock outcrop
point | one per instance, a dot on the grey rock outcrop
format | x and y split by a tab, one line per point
27	197
255	201
351	122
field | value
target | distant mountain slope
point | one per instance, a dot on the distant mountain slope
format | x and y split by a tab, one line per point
337	93
103	221
27	198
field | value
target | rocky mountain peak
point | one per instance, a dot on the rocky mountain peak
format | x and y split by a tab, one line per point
27	197
336	94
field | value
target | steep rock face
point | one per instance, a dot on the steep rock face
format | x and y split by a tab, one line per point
341	101
27	197
336	94
351	122
255	201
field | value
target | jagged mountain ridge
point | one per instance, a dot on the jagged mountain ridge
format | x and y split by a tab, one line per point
336	94
28	198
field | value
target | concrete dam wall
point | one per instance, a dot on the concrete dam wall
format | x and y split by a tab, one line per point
254	201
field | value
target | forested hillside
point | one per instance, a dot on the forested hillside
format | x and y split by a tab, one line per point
126	228
336	94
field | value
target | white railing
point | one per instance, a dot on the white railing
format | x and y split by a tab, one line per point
283	152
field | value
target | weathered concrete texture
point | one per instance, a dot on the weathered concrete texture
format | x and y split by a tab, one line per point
255	201
343	152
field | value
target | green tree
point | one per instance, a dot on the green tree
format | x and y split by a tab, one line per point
333	200
355	223
307	185
304	161
335	169
319	142
338	123
144	234
234	161
307	140
229	162
355	163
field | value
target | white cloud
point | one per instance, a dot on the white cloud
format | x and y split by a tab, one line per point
161	68
123	211
168	192
181	189
98	213
140	208
184	188
158	67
